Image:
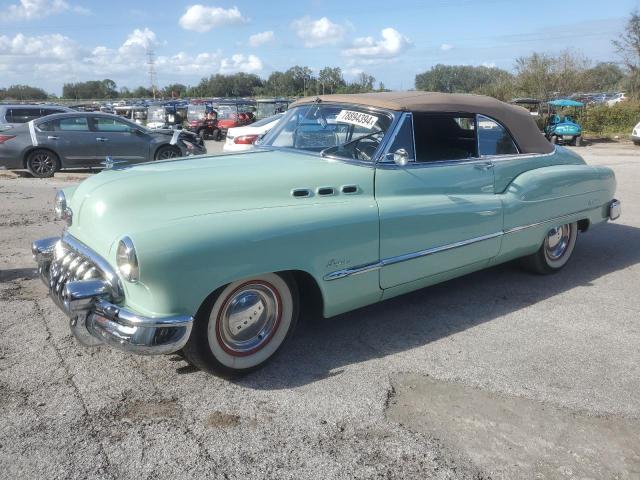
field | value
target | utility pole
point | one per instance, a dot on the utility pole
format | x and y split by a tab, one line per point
151	62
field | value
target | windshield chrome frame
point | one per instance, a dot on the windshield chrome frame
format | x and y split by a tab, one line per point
375	158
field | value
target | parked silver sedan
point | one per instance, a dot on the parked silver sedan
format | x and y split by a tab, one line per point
72	140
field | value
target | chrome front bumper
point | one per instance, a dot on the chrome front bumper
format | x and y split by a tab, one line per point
87	290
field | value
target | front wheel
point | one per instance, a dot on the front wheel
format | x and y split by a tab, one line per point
578	141
42	163
167	152
555	251
554	139
242	325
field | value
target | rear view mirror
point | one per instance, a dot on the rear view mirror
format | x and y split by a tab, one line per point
401	157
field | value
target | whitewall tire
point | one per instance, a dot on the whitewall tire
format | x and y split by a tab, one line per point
242	325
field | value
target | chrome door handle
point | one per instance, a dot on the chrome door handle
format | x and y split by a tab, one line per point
51	137
484	166
102	139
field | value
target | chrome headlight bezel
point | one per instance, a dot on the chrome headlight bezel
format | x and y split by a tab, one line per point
61	209
127	260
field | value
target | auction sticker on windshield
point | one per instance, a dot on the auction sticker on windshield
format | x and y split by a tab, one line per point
357	118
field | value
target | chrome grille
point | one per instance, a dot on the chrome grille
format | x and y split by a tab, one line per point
66	266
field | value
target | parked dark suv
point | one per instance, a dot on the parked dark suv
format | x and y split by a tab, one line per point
14	115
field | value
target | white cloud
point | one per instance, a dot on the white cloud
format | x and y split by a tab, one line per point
392	44
31	9
489	64
261	38
184	63
446	47
201	18
138	41
50	60
241	63
318	32
54	47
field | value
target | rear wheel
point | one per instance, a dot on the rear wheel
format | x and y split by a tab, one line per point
242	325
578	141
555	251
202	134
42	163
167	152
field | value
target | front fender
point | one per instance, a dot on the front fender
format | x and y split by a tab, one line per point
186	260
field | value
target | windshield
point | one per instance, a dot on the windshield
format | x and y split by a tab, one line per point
344	131
227	112
268	120
156	114
196	112
266	109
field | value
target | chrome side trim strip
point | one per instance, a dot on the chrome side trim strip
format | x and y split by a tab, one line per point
537	224
346	272
406	257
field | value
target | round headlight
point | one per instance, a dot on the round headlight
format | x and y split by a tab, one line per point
60	205
127	260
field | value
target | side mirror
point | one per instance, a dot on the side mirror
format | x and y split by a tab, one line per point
401	157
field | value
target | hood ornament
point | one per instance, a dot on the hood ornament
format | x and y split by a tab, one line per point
109	163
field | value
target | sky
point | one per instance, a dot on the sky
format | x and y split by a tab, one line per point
47	43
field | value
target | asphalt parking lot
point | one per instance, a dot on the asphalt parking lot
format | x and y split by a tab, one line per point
499	374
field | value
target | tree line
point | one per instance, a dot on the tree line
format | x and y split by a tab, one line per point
296	81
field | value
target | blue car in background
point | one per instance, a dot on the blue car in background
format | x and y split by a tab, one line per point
563	128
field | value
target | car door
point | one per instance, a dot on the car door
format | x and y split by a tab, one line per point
74	142
438	212
121	140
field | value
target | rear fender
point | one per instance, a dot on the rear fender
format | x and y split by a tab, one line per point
540	199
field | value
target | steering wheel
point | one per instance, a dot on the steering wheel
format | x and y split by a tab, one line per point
356	152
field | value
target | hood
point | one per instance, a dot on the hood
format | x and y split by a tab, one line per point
145	196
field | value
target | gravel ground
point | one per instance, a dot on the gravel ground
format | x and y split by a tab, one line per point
352	396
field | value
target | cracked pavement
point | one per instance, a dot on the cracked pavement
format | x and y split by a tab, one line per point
349	397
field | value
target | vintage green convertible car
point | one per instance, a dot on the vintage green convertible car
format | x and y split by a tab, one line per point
351	200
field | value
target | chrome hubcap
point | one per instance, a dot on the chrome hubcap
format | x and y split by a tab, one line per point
42	163
557	241
248	318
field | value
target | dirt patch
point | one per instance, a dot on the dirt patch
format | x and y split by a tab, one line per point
140	410
513	437
22	289
222	420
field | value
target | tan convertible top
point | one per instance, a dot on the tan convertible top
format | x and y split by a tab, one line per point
516	119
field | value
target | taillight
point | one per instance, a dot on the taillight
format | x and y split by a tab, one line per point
4	138
245	139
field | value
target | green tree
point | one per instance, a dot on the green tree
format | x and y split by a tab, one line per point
459	78
330	79
23	92
628	47
604	77
142	92
544	76
92	89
